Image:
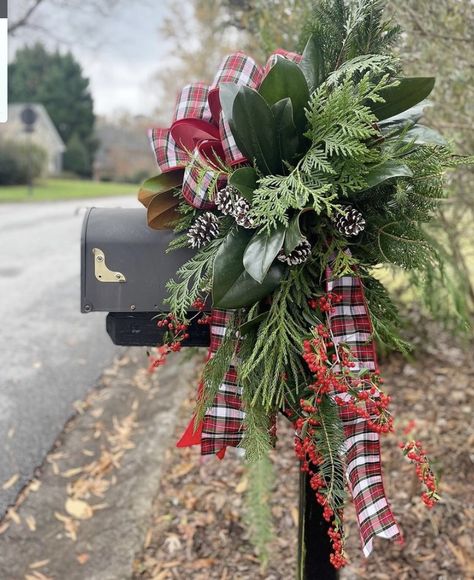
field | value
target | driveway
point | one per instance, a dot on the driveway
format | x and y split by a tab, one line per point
50	353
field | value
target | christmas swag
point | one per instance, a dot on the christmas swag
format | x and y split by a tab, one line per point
293	182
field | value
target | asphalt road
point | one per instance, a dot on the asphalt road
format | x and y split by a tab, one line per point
50	353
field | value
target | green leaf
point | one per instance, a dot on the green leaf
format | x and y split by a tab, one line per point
286	79
311	63
387	170
253	126
288	138
293	234
262	250
233	287
400	98
408	117
422	135
244	328
245	180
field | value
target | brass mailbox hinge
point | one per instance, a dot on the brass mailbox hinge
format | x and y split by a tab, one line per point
102	273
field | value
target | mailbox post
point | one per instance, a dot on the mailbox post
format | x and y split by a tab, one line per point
124	270
29	118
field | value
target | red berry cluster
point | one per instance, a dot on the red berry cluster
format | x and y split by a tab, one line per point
309	457
325	303
176	333
413	450
198	304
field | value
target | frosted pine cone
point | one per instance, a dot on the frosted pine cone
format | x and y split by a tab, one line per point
349	223
225	199
241	211
203	230
298	256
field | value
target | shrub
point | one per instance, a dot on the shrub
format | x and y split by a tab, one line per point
20	162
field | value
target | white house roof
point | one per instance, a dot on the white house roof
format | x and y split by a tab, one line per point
14	116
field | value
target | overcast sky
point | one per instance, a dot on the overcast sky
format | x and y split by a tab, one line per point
120	55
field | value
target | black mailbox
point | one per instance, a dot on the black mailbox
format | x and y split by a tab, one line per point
124	271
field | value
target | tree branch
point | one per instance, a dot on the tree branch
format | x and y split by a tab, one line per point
23	21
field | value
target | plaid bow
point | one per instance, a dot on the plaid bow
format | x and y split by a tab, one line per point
350	324
199	139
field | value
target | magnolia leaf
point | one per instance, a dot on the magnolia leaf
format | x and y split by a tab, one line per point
162	211
311	63
253	126
408	117
423	135
245	180
387	170
160	184
286	79
233	287
293	235
261	251
288	138
244	328
409	92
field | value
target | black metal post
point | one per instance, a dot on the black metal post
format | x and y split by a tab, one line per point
313	541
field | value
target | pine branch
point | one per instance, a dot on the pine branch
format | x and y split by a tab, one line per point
258	513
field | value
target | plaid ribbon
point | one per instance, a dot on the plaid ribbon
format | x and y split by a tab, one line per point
200	139
350	324
222	425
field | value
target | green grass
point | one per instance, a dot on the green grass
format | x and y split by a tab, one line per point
63	189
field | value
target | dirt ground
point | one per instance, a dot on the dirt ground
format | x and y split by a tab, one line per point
197	528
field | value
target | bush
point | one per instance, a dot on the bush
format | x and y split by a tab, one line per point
77	158
20	162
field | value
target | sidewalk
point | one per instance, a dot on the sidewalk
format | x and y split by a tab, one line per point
86	514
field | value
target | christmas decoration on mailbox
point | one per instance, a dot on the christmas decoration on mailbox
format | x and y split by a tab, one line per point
293	181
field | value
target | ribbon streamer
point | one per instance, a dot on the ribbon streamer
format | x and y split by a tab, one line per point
350	324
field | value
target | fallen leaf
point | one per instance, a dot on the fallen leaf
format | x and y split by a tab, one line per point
11	482
148	538
82	559
31	523
79	509
14	516
72	472
39	564
242	485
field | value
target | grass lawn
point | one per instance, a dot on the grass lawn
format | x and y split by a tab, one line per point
62	189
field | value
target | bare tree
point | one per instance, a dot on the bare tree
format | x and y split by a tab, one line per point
32	14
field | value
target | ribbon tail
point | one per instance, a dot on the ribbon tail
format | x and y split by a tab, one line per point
350	324
191	435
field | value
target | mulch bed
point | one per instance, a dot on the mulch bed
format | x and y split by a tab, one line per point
197	529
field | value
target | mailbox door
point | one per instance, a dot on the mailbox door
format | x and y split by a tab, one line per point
124	264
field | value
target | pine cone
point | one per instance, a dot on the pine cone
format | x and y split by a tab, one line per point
241	210
349	223
203	230
225	199
230	202
298	256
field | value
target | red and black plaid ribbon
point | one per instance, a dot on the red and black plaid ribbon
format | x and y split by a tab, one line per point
350	324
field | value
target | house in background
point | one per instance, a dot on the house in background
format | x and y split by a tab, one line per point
124	152
44	134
